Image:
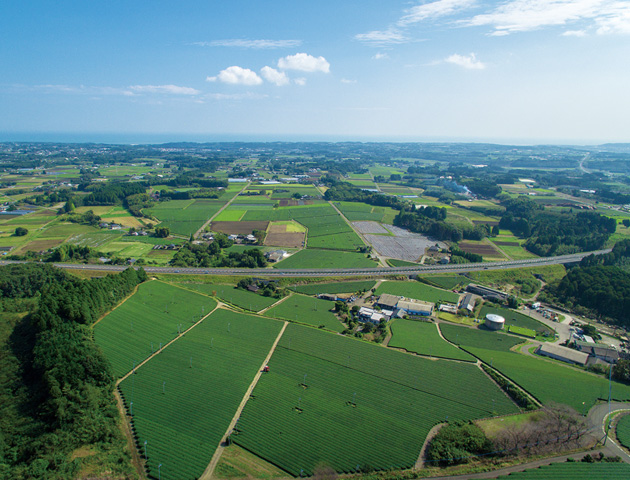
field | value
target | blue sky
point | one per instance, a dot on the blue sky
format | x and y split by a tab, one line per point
518	71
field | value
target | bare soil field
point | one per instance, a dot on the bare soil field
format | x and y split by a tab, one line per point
238	228
277	236
505	244
369	227
484	249
42	245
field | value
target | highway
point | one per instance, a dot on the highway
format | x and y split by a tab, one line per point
341	272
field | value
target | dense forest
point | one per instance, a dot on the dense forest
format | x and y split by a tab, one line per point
551	233
599	285
56	388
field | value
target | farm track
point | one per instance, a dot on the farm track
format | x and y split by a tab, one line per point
209	471
135	289
219	305
198	232
262	312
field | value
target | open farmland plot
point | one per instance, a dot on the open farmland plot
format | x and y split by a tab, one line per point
483	249
546	380
184	217
447	282
278	235
573	471
230	294
238	228
371	227
399	397
309	310
314	258
423	338
335	287
417	290
182	412
150	317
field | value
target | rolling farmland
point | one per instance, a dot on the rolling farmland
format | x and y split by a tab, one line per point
230	294
423	338
135	329
573	471
184	217
417	394
548	381
623	431
313	258
309	310
182	412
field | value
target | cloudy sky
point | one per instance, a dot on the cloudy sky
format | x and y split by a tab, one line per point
507	71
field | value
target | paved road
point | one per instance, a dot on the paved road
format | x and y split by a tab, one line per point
345	272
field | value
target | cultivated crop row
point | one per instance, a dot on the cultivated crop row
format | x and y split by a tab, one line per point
309	310
423	338
313	408
153	316
417	290
185	397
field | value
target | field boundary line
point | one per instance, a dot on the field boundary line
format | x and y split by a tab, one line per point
125	426
282	300
209	471
198	232
219	305
134	291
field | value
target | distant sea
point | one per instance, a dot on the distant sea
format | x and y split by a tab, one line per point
158	138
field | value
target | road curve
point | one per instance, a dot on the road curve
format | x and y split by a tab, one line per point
341	272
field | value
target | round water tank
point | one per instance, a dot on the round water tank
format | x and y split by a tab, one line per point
494	322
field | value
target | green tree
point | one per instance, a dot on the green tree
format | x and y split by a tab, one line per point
20	231
162	232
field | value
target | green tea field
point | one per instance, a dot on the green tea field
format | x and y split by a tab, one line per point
152	316
309	310
326	394
185	397
423	338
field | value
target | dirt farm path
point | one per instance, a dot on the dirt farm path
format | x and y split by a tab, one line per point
198	232
208	472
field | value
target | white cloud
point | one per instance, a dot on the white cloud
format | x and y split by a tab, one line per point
574	33
300	81
249	43
610	16
615	20
381	38
439	8
236	75
347	81
164	89
235	96
274	76
304	63
380	56
124	91
469	62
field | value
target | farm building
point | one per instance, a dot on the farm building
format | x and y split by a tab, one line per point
563	353
486	292
494	322
448	308
388	301
370	315
327	296
415	307
468	302
607	354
